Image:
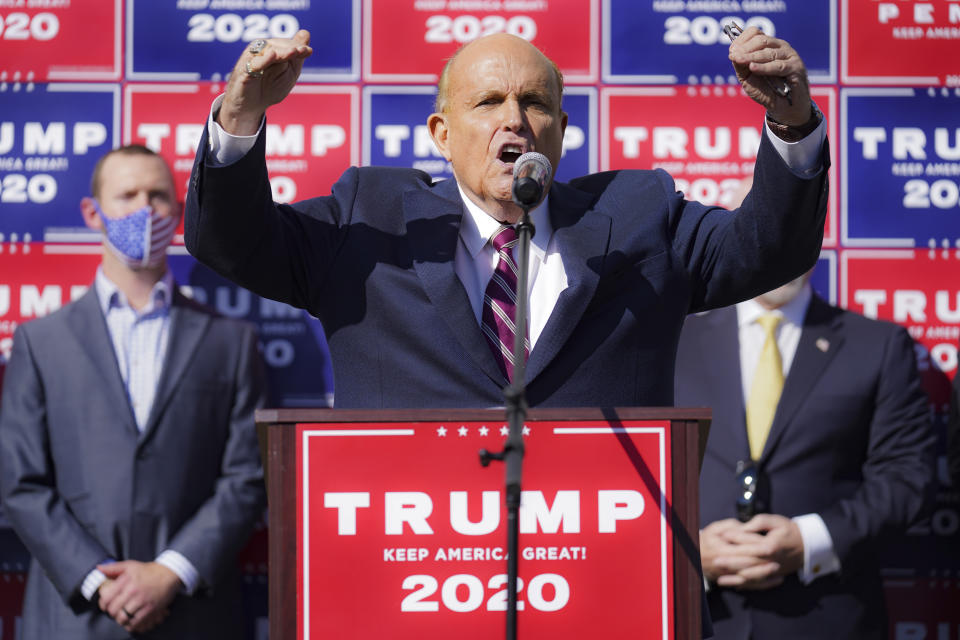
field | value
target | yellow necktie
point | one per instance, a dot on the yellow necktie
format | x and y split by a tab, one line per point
765	389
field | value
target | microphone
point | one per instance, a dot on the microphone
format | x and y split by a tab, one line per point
531	172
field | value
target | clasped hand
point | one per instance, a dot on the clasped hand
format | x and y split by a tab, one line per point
756	554
137	595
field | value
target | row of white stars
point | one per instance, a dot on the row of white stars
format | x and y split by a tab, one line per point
463	431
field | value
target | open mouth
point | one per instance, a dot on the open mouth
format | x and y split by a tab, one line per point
509	153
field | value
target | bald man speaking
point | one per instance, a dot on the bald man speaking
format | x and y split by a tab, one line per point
411	278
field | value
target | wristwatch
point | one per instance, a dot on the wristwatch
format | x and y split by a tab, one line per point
795	134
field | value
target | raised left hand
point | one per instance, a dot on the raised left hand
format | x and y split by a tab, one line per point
756	57
138	594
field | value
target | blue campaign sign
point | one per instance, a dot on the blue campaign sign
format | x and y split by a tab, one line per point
900	168
580	140
47	155
677	42
299	372
395	131
199	39
824	278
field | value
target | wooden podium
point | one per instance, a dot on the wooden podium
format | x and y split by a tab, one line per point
327	523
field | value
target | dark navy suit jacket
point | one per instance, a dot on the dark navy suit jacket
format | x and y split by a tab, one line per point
375	262
851	441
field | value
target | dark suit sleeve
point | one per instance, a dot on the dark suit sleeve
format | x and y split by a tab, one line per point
898	471
220	527
281	252
31	500
773	237
953	434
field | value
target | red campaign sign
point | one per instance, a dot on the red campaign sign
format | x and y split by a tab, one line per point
902	42
705	137
60	41
409	40
918	289
923	607
311	136
39	279
12	584
401	533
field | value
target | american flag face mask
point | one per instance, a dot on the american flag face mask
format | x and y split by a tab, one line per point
139	239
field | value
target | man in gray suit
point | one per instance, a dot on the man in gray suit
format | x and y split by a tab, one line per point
128	458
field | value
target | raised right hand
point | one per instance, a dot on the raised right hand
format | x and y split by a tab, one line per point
248	96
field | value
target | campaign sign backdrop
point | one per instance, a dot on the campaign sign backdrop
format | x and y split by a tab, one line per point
59	40
924	607
707	138
391	546
395	132
901	42
47	154
408	40
12	584
39	278
191	40
901	167
312	136
579	155
670	41
824	278
915	288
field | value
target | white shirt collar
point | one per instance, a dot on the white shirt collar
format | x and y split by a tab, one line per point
109	294
477	227
793	312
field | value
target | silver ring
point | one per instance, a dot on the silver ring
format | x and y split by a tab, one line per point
257	46
252	73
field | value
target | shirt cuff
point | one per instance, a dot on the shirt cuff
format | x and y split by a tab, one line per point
91	583
176	562
818	556
226	148
801	157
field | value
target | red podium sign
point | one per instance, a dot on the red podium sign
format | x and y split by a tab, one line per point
401	533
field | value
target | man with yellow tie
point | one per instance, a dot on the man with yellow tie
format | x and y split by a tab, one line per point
820	445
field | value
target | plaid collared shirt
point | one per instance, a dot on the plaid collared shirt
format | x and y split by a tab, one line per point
139	339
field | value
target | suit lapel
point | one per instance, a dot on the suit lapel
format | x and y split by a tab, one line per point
433	230
820	341
582	243
90	329
721	339
187	327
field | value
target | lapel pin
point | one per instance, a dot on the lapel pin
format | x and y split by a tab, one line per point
823	344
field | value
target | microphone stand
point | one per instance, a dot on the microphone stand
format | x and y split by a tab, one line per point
515	395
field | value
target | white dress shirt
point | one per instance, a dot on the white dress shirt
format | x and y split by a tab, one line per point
140	344
819	558
475	259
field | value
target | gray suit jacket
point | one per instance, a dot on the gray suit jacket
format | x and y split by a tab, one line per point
80	483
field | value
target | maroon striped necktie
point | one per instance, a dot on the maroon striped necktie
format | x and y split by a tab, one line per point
498	321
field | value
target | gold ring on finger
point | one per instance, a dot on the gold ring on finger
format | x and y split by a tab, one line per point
253	73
